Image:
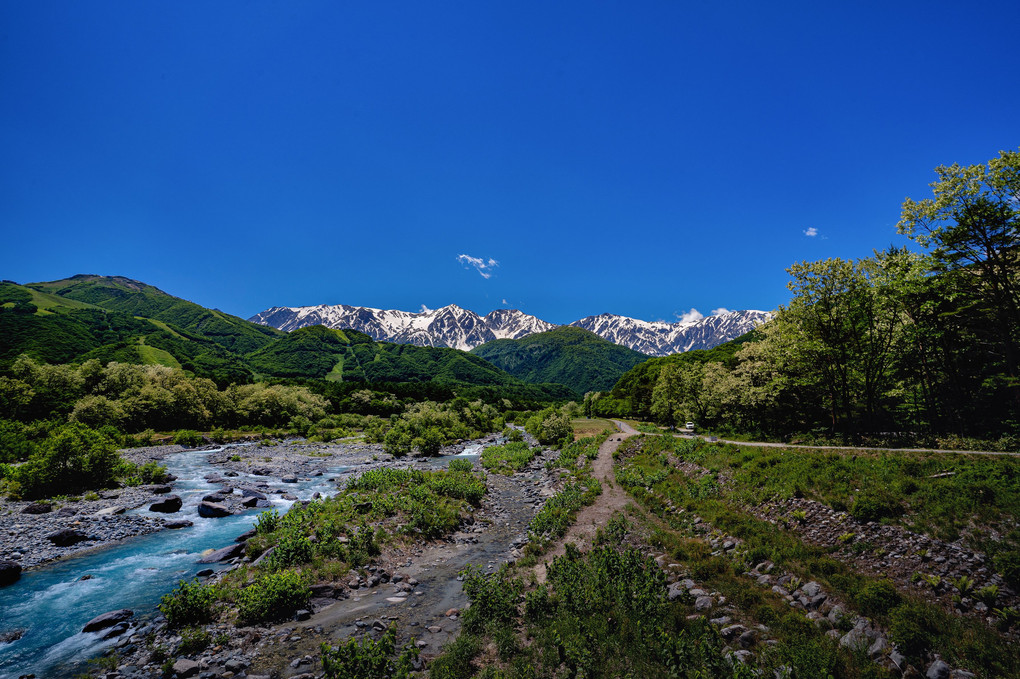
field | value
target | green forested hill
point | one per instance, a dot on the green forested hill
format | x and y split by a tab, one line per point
116	293
572	356
117	319
348	355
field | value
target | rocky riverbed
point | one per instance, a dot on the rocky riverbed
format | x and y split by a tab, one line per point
417	586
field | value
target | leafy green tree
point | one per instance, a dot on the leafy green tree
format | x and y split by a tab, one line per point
74	459
667	396
972	230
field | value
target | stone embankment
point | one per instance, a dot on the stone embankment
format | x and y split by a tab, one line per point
922	564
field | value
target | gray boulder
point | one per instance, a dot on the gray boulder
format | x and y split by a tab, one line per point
212	510
182	523
938	670
167	505
67	537
9	572
37	508
228	552
184	668
107	620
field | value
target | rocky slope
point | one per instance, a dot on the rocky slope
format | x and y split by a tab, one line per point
452	326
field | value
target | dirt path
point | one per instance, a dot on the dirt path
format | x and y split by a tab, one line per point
593	517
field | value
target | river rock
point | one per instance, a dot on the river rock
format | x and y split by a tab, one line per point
228	552
115	631
184	668
66	512
212	510
160	489
37	508
111	511
215	498
251	492
11	635
167	505
263	504
9	573
289	479
182	523
67	537
246	535
107	620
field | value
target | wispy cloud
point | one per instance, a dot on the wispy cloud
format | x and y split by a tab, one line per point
690	316
505	303
720	311
482	265
811	232
424	309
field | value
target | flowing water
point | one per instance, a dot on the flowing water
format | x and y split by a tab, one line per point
53	603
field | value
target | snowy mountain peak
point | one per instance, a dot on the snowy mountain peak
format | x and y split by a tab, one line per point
459	328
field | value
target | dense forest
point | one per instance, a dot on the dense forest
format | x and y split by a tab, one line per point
911	344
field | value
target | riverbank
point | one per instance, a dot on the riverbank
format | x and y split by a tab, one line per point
416	585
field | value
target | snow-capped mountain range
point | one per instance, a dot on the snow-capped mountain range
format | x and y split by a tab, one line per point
452	326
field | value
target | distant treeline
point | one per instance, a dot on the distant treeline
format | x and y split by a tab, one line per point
903	344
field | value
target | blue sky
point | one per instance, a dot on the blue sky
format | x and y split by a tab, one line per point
634	158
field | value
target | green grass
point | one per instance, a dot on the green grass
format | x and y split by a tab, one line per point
645	469
153	356
508	458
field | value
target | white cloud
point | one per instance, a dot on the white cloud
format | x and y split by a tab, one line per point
505	303
483	266
720	311
811	232
690	316
424	309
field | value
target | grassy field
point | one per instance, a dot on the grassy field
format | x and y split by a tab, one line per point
584	427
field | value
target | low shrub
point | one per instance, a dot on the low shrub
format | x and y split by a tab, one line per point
194	640
873	506
190	603
461	465
878	597
369	659
272	596
188	437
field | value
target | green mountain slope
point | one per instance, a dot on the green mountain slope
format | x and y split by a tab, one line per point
116	293
54	329
108	319
348	355
572	356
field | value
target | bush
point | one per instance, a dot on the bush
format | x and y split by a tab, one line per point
190	603
461	465
74	459
272	596
493	597
878	598
194	640
188	437
872	506
457	660
369	659
912	628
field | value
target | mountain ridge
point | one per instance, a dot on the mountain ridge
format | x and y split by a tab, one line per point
455	327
